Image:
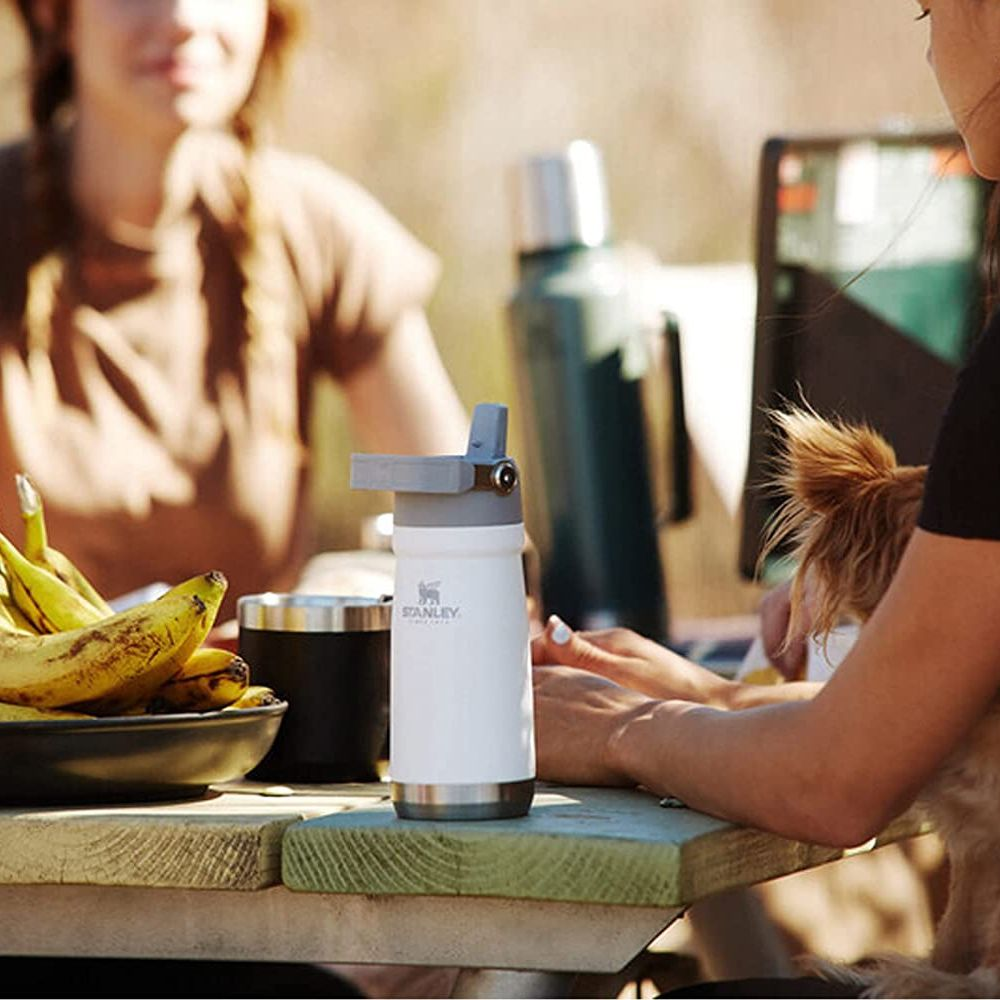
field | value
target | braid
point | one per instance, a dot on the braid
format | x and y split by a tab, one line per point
255	241
257	251
254	246
45	278
48	202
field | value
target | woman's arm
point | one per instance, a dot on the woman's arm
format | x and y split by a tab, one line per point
402	401
832	769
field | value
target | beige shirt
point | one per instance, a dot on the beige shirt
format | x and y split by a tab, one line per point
162	446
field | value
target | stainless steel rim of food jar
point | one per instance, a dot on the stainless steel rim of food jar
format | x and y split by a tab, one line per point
313	613
491	800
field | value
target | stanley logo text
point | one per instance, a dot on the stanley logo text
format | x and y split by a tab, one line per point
429	607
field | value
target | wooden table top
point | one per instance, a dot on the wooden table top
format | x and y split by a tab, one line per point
587	845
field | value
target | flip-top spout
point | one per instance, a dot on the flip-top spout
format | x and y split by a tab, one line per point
478	488
488	434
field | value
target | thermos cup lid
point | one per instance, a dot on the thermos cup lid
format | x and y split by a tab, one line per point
561	200
313	613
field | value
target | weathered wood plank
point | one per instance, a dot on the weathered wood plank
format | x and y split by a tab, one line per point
577	844
224	841
278	925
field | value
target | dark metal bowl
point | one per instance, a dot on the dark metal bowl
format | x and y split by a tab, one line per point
132	758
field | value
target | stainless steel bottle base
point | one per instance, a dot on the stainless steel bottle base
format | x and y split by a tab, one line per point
501	800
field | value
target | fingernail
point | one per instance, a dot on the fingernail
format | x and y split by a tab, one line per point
561	632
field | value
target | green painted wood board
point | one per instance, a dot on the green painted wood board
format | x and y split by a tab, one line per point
595	845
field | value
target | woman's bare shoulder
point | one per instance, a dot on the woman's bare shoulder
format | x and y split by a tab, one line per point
333	225
317	187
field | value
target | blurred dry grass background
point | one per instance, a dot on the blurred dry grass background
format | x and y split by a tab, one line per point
427	102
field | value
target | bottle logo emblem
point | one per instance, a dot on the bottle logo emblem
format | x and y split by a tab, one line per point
429	610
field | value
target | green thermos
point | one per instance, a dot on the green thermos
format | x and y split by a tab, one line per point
582	359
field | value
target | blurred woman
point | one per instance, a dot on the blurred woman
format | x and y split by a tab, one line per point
171	287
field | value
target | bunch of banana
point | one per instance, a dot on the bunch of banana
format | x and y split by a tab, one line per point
65	654
109	661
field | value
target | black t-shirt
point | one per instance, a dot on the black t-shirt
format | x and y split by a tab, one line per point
962	492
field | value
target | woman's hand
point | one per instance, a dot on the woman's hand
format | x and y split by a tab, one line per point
626	658
578	716
786	655
786	650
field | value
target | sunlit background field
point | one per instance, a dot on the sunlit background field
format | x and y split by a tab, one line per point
429	102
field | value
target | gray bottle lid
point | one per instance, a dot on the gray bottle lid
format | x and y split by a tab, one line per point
561	200
481	487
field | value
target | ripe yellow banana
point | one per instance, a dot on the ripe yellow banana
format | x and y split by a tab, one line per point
48	603
206	660
133	650
25	713
211	588
207	589
12	620
211	679
38	550
254	696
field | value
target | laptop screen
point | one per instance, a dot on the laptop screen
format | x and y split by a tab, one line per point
869	292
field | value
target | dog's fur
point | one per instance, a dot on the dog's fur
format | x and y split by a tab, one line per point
850	511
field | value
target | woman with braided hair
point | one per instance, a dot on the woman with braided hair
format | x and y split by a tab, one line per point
171	287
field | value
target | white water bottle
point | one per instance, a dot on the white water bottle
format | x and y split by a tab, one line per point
461	728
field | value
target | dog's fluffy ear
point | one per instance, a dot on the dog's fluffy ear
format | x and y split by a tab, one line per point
850	509
823	464
822	470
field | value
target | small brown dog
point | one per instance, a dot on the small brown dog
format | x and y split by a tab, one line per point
850	511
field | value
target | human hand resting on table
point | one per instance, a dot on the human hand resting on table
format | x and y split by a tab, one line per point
590	686
632	661
578	717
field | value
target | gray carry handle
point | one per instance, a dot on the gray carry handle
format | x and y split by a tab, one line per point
439	473
411	474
